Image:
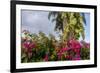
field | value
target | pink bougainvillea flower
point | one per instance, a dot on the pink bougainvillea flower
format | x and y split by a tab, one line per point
77	51
31	45
74	44
64	49
77	46
28	46
61	51
46	58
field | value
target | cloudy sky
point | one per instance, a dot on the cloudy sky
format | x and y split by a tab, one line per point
35	21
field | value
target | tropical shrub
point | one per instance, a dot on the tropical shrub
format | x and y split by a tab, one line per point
40	48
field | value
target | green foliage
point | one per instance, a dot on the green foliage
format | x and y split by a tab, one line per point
85	53
70	23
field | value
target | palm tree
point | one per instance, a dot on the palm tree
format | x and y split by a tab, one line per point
57	18
71	24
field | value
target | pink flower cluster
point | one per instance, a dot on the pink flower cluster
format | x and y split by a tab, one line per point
74	46
61	51
28	46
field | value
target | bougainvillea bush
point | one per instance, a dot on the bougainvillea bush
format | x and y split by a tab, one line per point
40	48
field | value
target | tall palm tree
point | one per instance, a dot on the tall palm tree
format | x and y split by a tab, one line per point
71	24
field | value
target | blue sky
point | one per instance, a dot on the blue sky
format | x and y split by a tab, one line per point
35	21
87	27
